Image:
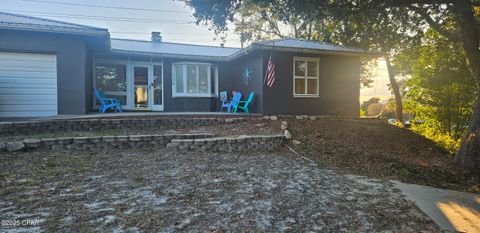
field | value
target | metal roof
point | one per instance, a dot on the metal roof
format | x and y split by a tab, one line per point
171	49
306	44
24	22
223	53
203	52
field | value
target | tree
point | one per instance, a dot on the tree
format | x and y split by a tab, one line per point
441	90
262	22
373	100
464	15
375	109
390	109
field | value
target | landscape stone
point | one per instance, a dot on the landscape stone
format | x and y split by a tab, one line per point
32	143
273	118
15	146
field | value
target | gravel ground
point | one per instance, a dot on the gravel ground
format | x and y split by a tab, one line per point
137	191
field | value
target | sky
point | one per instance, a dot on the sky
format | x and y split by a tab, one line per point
380	84
172	18
136	19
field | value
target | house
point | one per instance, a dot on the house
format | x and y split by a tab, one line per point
49	67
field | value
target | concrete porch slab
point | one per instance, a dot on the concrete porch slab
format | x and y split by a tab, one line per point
451	210
125	114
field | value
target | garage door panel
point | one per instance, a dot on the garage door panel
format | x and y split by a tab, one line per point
27	107
27	56
37	85
28	91
49	81
17	71
33	69
26	100
31	63
12	75
28	85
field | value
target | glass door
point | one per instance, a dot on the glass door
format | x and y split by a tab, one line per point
140	87
156	87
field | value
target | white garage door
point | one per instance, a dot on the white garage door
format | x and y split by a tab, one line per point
28	84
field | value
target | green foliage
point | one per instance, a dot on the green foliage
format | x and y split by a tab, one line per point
389	110
363	112
446	141
441	89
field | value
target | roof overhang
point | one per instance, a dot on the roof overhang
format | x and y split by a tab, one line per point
251	48
41	28
168	55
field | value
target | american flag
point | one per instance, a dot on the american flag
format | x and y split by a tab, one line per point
270	74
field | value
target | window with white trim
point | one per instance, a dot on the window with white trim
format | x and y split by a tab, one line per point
193	80
305	77
111	78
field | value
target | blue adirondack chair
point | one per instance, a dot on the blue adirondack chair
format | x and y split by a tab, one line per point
245	103
231	105
107	103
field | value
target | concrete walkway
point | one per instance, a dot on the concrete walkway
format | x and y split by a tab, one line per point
451	210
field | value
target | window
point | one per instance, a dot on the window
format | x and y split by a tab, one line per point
305	81
112	80
193	80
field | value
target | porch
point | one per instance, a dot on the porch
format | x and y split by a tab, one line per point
157	84
129	114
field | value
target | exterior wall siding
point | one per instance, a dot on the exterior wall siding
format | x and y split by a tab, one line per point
254	62
72	58
339	87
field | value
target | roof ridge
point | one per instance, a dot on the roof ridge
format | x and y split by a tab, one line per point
321	42
50	20
305	40
164	42
269	41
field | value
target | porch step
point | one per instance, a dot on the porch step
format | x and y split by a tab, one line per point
228	144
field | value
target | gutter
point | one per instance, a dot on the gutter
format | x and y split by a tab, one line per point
169	55
255	46
70	31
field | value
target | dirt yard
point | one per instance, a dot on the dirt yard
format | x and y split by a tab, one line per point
371	148
264	127
137	191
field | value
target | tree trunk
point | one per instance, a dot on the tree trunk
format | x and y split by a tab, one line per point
468	156
396	91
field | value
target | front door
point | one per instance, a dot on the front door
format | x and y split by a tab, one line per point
156	88
140	87
148	87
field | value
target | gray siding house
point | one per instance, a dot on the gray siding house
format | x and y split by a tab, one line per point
50	68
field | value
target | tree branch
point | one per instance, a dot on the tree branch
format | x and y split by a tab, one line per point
453	36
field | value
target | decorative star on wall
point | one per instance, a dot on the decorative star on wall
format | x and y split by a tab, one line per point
247	75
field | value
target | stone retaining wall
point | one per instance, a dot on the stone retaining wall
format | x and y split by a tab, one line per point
221	144
99	142
99	124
